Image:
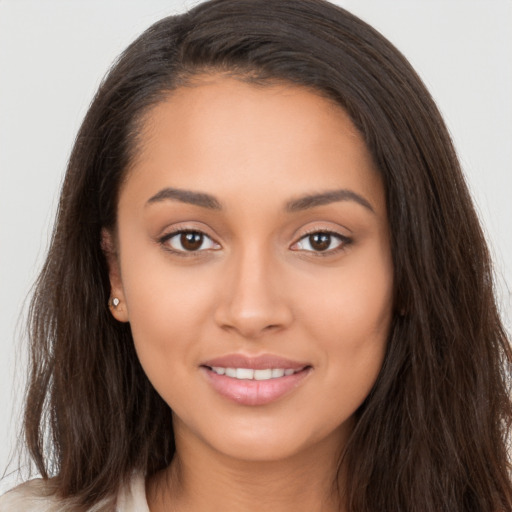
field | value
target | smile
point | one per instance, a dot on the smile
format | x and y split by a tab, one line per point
254	381
250	374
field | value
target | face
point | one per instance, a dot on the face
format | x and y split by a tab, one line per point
254	266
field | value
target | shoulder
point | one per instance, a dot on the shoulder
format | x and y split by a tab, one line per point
38	496
132	497
35	495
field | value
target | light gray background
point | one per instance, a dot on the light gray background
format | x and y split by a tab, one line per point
53	54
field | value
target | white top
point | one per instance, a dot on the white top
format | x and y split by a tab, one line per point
31	497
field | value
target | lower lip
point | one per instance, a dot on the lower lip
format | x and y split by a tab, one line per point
254	392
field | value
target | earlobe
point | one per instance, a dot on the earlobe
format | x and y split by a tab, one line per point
116	303
118	309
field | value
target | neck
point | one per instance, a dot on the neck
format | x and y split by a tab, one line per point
201	479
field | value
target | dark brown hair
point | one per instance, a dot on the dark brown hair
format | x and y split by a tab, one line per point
432	434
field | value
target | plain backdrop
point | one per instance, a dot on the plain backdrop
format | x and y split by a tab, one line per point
53	54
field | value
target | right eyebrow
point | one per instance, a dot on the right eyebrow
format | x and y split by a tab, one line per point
330	196
186	196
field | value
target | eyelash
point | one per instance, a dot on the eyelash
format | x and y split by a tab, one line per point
184	253
344	242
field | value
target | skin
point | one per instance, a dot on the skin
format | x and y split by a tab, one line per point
257	285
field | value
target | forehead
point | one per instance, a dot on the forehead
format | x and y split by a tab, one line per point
222	131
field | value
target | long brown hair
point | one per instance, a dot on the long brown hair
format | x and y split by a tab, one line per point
432	434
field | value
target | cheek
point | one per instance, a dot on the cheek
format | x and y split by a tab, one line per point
160	293
352	306
167	307
166	316
350	321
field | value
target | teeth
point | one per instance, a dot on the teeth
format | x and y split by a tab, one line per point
249	374
262	374
244	373
231	372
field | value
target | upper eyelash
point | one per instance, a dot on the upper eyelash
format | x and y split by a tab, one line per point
346	241
172	234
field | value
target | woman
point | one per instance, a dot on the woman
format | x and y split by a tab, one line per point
267	286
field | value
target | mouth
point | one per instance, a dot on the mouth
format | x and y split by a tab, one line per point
252	374
254	380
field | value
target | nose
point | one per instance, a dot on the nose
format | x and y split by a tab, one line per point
253	300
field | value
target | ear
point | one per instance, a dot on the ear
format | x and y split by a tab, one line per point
117	308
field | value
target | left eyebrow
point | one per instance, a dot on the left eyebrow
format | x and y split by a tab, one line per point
186	196
330	196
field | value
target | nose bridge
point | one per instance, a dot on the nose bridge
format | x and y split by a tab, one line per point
253	300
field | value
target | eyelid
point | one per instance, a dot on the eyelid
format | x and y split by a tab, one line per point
179	230
188	228
345	241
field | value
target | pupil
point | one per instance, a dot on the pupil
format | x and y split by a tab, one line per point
320	241
191	241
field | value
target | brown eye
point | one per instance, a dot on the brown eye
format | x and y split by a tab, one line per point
188	241
321	242
191	241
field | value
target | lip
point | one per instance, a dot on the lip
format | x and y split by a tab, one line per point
261	362
254	392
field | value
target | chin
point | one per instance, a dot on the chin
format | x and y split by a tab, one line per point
262	450
269	444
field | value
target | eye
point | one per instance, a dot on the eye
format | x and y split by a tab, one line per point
188	241
321	242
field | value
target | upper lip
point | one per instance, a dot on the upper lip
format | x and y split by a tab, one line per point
261	362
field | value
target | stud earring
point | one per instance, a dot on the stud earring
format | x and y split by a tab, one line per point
114	302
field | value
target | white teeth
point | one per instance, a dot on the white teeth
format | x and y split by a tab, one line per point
249	374
245	373
231	372
263	374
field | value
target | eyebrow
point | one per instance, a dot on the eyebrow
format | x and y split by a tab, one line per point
186	196
301	203
330	196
